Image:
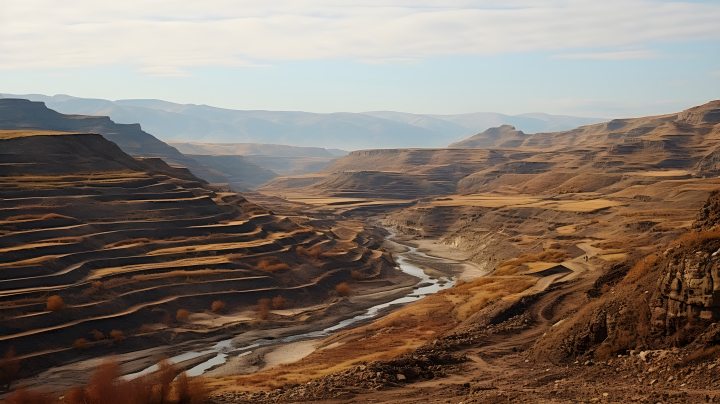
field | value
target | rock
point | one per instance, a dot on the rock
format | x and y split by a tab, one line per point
400	377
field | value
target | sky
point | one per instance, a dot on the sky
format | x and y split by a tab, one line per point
609	58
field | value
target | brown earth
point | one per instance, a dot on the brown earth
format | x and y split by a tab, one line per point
122	245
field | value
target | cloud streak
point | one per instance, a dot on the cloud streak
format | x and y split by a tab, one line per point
167	37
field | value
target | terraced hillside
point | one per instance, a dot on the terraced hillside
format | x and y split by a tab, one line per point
101	253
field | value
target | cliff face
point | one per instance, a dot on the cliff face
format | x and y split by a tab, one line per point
689	286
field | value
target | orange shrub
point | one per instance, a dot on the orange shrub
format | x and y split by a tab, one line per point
218	306
80	343
263	308
190	390
55	303
271	265
117	335
25	396
314	253
279	302
97	335
182	314
356	275
342	289
96	285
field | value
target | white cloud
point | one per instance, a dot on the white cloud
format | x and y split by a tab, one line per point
169	36
620	55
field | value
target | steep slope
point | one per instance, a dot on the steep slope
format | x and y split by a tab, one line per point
24	114
102	253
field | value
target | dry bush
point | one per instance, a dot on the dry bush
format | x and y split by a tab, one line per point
342	289
356	275
97	335
279	302
218	306
146	328
80	343
97	285
117	335
313	253
182	314
515	265
263	308
165	374
9	368
55	303
271	265
25	396
190	390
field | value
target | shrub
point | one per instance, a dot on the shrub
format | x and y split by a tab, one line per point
96	285
218	306
97	335
190	390
80	343
182	314
25	396
9	368
164	376
55	303
356	275
279	302
263	308
117	335
314	253
342	289
271	265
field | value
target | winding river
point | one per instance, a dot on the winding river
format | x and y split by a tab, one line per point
224	350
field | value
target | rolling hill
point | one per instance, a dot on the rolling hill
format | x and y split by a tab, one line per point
348	131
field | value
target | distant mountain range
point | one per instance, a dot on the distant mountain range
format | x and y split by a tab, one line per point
348	131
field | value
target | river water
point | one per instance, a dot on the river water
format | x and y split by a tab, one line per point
224	350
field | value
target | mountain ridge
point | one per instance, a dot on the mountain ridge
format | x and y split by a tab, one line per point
342	130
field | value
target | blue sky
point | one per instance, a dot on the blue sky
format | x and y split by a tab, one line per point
615	58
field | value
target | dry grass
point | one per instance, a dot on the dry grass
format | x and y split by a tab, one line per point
55	303
182	314
342	289
396	334
356	275
97	335
641	268
271	264
515	265
218	306
18	133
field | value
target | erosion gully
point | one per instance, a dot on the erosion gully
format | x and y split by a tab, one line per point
224	349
